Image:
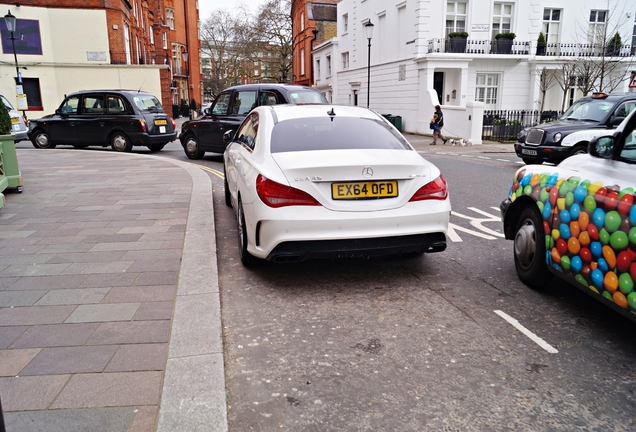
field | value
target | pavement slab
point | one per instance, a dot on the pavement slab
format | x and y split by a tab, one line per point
72	296
70	360
30	392
139	357
14	360
34	315
147	293
47	282
101	313
134	332
10	334
74	420
56	335
154	311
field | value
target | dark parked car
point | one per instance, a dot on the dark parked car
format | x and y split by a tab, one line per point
588	118
119	118
18	125
230	108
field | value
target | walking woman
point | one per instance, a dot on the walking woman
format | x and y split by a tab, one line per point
438	121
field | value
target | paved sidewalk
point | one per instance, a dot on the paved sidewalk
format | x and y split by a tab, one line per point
109	305
423	143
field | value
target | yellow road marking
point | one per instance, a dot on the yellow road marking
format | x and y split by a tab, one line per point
217	173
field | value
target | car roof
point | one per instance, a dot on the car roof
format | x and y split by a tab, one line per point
612	97
289	111
80	92
279	86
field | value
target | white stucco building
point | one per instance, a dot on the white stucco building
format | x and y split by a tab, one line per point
412	66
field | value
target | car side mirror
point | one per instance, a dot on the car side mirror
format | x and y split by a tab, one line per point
207	111
227	136
602	147
617	120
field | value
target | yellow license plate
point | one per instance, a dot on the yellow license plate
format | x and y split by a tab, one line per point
362	190
161	122
15	120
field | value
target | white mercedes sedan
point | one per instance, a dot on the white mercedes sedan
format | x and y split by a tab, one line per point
330	181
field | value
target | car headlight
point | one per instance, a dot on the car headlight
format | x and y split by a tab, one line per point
557	137
523	133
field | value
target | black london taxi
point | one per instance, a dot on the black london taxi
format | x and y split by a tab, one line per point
587	118
119	118
230	108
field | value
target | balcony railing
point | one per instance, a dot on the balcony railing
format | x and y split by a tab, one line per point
504	125
514	47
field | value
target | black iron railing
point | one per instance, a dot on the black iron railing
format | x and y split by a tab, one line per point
504	125
514	47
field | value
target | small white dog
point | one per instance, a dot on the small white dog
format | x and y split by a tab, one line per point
461	142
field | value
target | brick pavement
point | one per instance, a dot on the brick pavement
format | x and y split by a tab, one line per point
90	255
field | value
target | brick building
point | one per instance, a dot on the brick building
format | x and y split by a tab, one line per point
312	24
68	45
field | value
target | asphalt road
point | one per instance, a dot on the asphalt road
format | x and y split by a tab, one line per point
419	343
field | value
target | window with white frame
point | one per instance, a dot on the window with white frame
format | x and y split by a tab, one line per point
328	58
455	17
302	21
486	89
151	34
176	59
345	23
551	25
502	18
596	30
317	69
345	60
302	61
164	38
170	18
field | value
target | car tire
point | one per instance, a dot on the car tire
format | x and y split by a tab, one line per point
529	161
246	258
41	140
228	196
191	148
578	149
155	147
120	142
80	146
529	249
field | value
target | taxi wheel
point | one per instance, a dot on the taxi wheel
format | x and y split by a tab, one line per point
41	140
529	249
577	150
246	258
528	161
156	147
228	196
120	142
191	148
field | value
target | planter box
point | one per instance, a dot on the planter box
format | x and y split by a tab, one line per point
10	175
458	44
504	46
613	50
540	50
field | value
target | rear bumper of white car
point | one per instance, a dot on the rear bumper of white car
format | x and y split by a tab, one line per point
301	233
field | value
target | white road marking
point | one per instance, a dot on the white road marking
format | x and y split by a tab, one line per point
477	222
502	160
468	231
484	157
536	339
520	162
452	234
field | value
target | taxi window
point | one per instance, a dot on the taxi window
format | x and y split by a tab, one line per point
625	108
147	103
221	104
249	129
268	98
300	97
244	102
629	149
69	106
93	104
116	105
589	110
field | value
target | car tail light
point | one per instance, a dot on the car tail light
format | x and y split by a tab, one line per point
174	125
142	123
25	122
437	190
278	195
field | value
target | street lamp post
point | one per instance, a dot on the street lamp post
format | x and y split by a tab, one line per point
10	21
184	54
368	27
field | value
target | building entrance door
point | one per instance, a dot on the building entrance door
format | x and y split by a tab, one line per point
438	85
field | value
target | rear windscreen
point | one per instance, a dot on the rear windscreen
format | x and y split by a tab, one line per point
300	97
339	133
147	103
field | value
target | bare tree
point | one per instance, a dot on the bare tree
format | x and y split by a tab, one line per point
566	78
547	80
273	28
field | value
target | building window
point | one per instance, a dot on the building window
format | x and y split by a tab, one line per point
127	42
486	90
302	21
596	31
455	17
634	35
170	18
345	60
27	37
302	61
328	65
317	69
176	59
151	34
501	18
345	23
164	38
551	24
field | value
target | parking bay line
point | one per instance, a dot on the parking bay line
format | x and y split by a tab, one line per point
536	339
